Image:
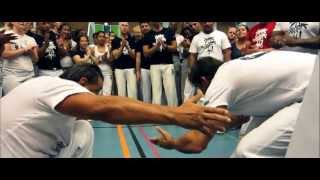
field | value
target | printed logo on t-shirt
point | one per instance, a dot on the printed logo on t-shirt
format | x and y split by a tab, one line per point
296	28
50	53
160	37
261	35
209	44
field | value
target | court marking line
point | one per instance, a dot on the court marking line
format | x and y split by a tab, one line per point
152	147
123	143
136	142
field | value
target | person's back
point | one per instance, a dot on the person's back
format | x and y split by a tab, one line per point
261	86
29	111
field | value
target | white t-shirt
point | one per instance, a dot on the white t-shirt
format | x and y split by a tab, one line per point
104	66
210	44
21	64
30	125
261	86
299	30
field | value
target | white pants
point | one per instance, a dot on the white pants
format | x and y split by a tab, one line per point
271	139
126	82
177	70
107	75
145	85
52	73
81	142
163	74
184	77
10	81
189	90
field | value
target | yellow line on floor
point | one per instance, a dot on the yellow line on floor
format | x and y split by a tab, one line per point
123	142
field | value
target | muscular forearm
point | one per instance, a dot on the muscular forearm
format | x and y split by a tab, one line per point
118	110
11	54
172	47
112	109
191	59
148	52
192	141
226	55
116	53
132	53
34	56
78	60
309	43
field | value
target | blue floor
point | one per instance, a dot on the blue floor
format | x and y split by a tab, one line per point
107	143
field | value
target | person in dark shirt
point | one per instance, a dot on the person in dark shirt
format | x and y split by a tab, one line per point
241	45
158	46
50	51
142	63
123	53
82	54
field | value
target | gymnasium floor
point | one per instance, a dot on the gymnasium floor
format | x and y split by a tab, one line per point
124	141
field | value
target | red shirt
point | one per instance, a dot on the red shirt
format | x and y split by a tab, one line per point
260	34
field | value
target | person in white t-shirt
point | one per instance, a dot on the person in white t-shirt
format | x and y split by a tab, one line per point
4	39
297	36
210	42
102	57
270	88
18	58
41	117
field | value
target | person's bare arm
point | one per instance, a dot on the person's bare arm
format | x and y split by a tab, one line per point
4	39
78	60
194	141
148	52
122	110
226	54
131	52
313	43
138	65
116	53
172	47
9	53
34	54
192	59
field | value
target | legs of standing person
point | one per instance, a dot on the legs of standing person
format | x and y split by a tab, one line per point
184	76
81	142
156	83
131	83
177	70
121	82
108	79
189	90
272	137
169	84
145	85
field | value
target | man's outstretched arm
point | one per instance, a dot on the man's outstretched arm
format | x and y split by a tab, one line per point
122	110
194	141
